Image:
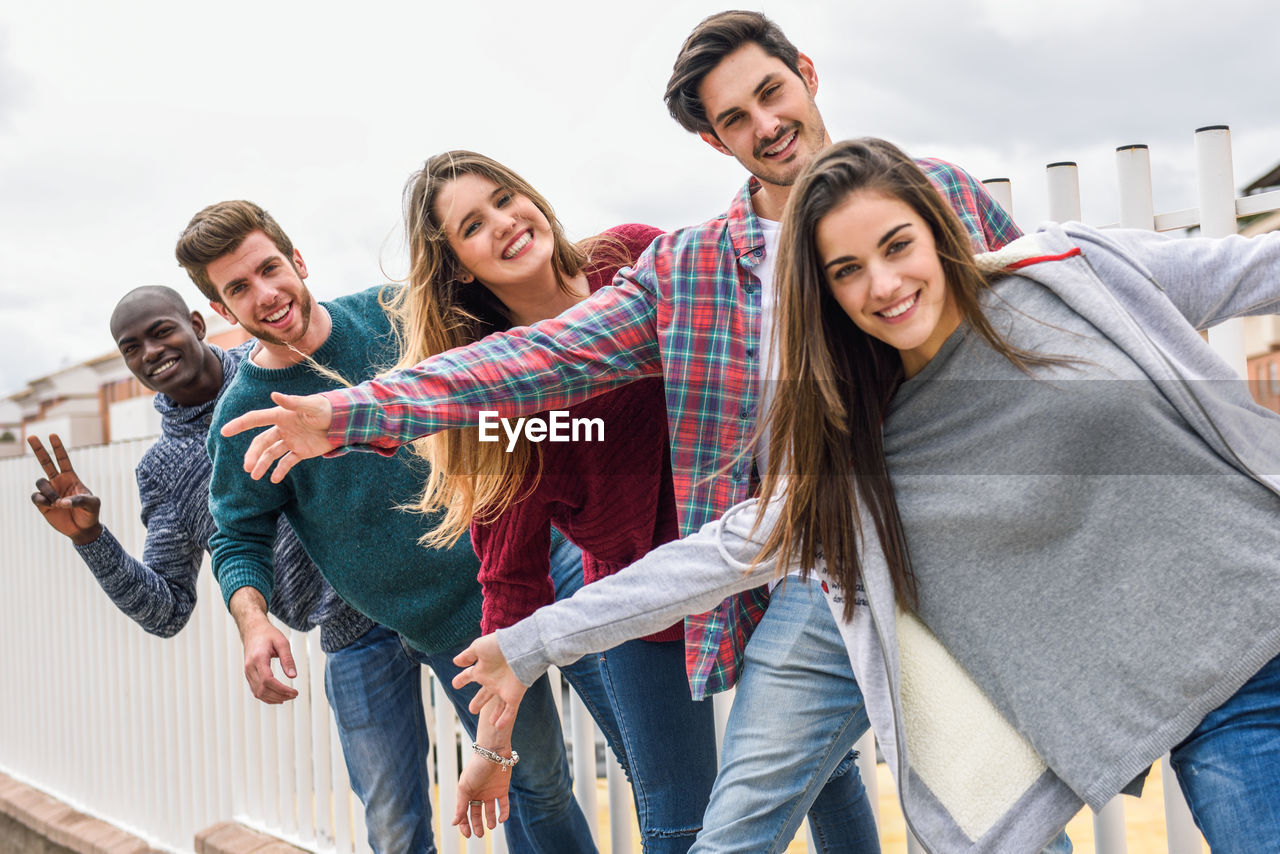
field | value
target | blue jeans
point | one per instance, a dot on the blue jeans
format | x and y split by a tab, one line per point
788	746
1229	768
584	674
375	692
788	743
665	742
670	738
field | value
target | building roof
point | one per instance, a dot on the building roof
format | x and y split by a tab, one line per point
1267	181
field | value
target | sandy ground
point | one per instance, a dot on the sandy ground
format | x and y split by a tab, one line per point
1144	822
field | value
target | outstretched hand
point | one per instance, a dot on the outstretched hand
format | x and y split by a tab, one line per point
484	664
297	429
66	503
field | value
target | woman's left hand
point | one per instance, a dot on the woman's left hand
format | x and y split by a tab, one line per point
484	664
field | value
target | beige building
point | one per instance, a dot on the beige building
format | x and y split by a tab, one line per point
91	403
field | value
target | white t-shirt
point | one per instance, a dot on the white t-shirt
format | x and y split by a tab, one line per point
768	308
768	363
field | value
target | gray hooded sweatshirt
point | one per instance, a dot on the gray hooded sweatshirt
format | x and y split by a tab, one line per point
1053	658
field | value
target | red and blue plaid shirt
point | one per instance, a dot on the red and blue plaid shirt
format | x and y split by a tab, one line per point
689	311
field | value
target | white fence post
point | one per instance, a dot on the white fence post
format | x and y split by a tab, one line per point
1001	189
1180	828
582	729
1216	181
1133	172
1108	829
620	800
1064	191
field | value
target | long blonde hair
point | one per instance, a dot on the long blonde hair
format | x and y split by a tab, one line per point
436	311
826	451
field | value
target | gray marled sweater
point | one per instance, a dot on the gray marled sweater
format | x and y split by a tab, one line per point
159	591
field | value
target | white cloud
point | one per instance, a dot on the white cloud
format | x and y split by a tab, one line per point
118	121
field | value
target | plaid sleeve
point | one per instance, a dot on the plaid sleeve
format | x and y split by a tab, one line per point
988	224
604	342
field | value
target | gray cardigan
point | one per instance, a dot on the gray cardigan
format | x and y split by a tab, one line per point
1154	291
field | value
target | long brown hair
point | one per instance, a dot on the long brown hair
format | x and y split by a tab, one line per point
826	451
437	311
219	229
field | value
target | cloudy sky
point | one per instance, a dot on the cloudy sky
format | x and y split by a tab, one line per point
120	120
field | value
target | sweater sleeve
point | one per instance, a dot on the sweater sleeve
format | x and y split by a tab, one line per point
1208	280
515	562
683	577
246	513
159	591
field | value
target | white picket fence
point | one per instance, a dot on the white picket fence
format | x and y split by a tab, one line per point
162	738
1216	213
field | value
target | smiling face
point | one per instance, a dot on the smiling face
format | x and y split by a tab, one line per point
163	346
262	290
500	237
880	262
764	115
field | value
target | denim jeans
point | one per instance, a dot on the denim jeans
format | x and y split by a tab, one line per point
544	816
788	743
584	674
665	742
1229	768
670	738
375	692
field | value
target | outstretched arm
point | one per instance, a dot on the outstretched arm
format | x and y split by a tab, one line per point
605	341
159	591
684	577
1208	280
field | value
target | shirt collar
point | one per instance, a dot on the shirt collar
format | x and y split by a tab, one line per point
179	418
744	226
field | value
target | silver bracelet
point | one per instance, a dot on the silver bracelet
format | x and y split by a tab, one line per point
507	764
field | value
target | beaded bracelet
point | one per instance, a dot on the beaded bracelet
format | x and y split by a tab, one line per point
507	764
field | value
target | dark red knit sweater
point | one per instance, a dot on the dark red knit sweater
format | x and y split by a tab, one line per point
613	498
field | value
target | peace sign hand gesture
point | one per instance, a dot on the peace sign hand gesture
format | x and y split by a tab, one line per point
66	503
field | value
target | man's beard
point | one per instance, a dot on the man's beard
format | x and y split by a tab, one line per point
305	306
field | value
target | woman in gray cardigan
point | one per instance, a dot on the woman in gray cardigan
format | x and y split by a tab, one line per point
1064	555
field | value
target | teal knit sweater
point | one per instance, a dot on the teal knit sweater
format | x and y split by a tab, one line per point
344	510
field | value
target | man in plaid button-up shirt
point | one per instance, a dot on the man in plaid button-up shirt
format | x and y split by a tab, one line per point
691	312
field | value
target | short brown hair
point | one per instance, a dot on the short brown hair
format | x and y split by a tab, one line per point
711	41
219	229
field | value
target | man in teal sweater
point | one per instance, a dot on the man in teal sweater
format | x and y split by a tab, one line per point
348	514
366	673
